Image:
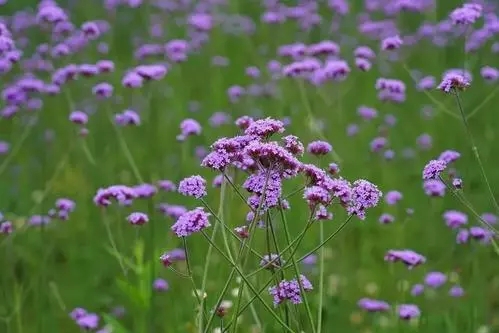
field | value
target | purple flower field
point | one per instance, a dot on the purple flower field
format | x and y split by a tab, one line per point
211	166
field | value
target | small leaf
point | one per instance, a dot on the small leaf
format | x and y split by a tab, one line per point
133	293
138	252
115	325
121	259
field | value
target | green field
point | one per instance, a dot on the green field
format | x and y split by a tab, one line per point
96	260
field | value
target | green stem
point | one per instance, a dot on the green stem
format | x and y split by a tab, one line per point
112	242
475	150
126	150
297	270
321	278
308	108
191	278
226	228
252	288
210	249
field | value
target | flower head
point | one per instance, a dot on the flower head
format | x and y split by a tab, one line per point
191	222
194	186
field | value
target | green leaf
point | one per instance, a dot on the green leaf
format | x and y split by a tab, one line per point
115	325
122	259
133	293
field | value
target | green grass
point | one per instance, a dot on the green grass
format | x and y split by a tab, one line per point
45	273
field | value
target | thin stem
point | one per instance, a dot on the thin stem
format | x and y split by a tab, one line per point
126	150
269	281
282	268
15	150
336	232
112	242
253	290
321	278
297	270
225	227
239	194
251	238
219	217
468	205
475	150
210	250
311	117
191	278
269	231
296	241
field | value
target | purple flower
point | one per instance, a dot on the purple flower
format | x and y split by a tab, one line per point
78	117
289	290
65	204
194	186
151	72
433	169
176	254
103	90
167	185
311	259
191	222
338	188
137	218
319	148
160	285
377	144
293	145
435	279
490	74
77	313
264	128
367	113
271	261
434	188
6	228
456	291
128	117
391	43
316	195
272	154
392	197
322	214
453	81
244	122
489	218
457	183
364	52
89	321
426	83
467	14
408	257
408	311
364	195
389	154
455	219
363	64
481	234
449	156
121	193
417	289
424	141
352	129
373	305
173	211
386	219
333	169
188	127
462	236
